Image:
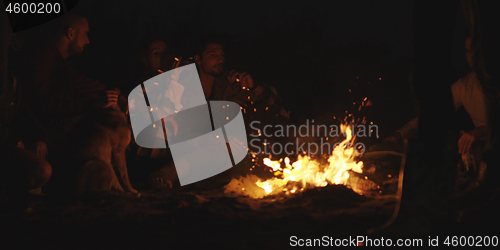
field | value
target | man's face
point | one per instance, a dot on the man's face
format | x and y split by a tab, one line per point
80	38
212	60
158	55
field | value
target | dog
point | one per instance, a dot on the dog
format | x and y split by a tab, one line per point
97	143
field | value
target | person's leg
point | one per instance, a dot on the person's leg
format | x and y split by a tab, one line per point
24	171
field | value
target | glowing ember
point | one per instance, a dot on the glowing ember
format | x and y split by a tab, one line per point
305	173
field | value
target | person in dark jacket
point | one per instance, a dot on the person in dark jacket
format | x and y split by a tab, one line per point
21	170
57	93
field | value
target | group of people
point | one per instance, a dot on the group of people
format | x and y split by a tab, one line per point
41	100
45	97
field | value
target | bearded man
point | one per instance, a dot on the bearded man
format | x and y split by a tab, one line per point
56	92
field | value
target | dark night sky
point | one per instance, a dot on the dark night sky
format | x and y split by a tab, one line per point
310	51
382	23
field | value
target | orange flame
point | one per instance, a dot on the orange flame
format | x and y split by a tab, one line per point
303	173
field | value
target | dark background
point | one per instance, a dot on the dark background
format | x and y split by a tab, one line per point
312	52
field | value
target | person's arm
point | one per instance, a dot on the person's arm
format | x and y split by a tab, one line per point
251	94
409	129
28	129
32	132
475	103
49	95
472	97
84	88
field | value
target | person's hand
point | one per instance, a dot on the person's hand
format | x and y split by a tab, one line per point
468	138
111	98
39	148
394	139
243	78
465	142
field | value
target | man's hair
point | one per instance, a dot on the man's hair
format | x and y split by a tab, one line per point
201	44
69	20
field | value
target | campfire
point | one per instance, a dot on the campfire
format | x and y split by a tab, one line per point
341	168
